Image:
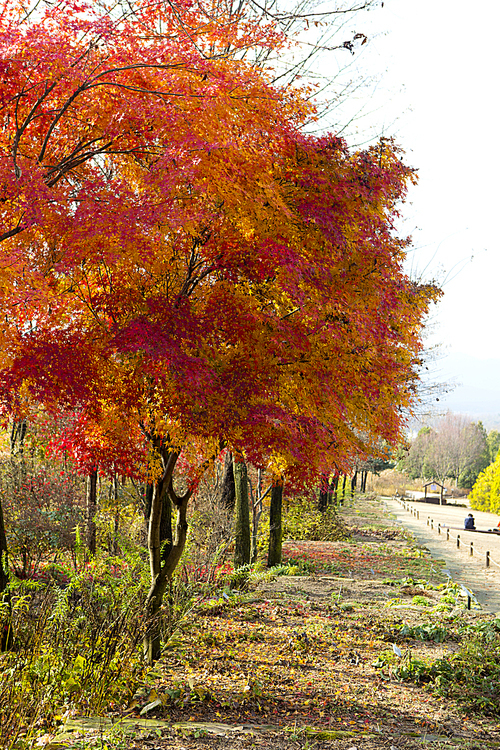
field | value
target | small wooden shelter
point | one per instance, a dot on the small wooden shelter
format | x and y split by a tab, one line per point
435	487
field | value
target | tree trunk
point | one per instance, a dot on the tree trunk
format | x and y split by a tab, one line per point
323	493
17	435
91	511
364	477
163	557
327	492
228	492
353	483
344	482
242	515
166	534
4	574
18	463
332	490
6	624
275	524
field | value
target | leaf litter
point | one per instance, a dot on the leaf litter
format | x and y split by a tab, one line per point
309	661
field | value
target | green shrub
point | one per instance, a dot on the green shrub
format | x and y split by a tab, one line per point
77	643
303	521
65	654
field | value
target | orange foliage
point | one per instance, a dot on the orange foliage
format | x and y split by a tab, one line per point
177	252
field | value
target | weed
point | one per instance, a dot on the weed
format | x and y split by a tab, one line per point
421	601
394	602
470	676
427	632
422	583
302	566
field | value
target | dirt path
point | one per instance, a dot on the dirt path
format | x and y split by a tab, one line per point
471	571
310	659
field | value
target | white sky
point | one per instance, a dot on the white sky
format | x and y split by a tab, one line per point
440	63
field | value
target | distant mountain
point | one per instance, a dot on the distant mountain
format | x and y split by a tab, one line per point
476	390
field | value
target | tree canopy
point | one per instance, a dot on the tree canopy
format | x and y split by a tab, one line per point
183	268
179	257
485	494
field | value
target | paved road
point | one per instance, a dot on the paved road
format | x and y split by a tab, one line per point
469	570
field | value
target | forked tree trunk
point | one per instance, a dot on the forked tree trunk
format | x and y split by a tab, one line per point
163	557
242	515
275	524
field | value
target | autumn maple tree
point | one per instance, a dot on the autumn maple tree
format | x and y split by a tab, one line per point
183	268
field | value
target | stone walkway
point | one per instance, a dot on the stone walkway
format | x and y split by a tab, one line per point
470	571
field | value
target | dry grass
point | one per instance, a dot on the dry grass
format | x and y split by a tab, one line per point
392	482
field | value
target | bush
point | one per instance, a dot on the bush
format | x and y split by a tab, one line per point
77	647
42	508
485	494
304	522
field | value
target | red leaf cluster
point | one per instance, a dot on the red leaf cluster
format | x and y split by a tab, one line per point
179	258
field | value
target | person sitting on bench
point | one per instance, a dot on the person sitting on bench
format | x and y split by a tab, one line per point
469	522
